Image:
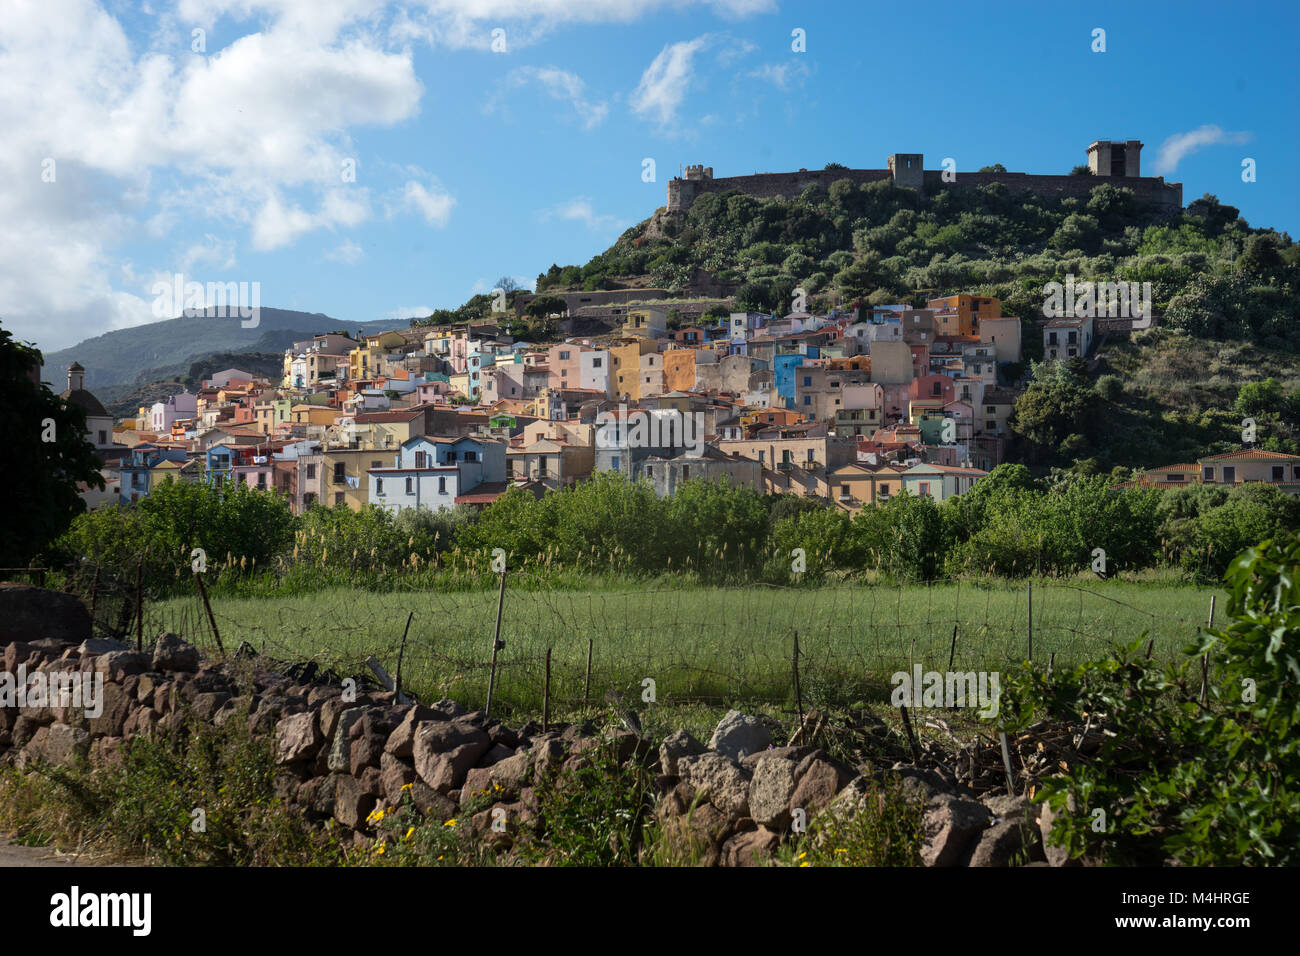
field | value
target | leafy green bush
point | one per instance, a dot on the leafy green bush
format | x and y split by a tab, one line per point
1175	781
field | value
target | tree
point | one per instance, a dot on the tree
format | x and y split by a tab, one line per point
1083	170
46	455
545	305
1055	408
507	285
995	168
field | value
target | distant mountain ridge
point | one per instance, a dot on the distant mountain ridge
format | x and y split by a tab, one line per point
121	357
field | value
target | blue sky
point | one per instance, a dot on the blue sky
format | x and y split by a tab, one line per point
227	164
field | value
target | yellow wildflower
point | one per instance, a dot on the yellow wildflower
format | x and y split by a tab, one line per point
407	786
408	833
841	851
379	851
803	864
449	823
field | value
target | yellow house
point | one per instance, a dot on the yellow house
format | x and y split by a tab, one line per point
646	321
363	361
345	481
625	366
304	414
389	429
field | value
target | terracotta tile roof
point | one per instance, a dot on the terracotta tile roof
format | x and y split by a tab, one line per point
1253	454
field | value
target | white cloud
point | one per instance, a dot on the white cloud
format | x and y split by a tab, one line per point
147	138
469	23
429	201
780	75
559	85
408	312
1181	145
665	81
347	252
581	209
214	252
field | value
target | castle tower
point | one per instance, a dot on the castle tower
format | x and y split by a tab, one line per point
1107	158
908	170
76	377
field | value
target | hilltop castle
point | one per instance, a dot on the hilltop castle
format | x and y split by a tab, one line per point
1119	162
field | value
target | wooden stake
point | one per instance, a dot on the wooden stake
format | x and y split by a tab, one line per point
546	695
1006	764
94	593
586	687
139	605
496	645
1205	658
952	651
401	652
203	592
1031	620
798	693
911	737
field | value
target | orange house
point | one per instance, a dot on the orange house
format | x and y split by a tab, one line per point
961	314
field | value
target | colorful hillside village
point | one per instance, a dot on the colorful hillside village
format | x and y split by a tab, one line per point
849	407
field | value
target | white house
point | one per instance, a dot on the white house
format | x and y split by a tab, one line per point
433	472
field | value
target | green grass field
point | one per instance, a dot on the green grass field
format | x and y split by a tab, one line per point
716	646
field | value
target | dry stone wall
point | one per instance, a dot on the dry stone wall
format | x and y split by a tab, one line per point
343	757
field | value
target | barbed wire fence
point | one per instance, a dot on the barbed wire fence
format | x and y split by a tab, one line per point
694	645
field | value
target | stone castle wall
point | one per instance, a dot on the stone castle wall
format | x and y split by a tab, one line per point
683	192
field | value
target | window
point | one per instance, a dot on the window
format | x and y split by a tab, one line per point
376	464
379	486
925	488
1229	474
442	484
812	455
844	491
614	462
564	356
760	457
308	499
595	363
807	381
103	437
807	399
1277	472
991	424
261	479
1174	477
686	472
1051	338
311	472
338	498
649	471
410	486
1207	473
938	389
471	456
541	467
884	490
